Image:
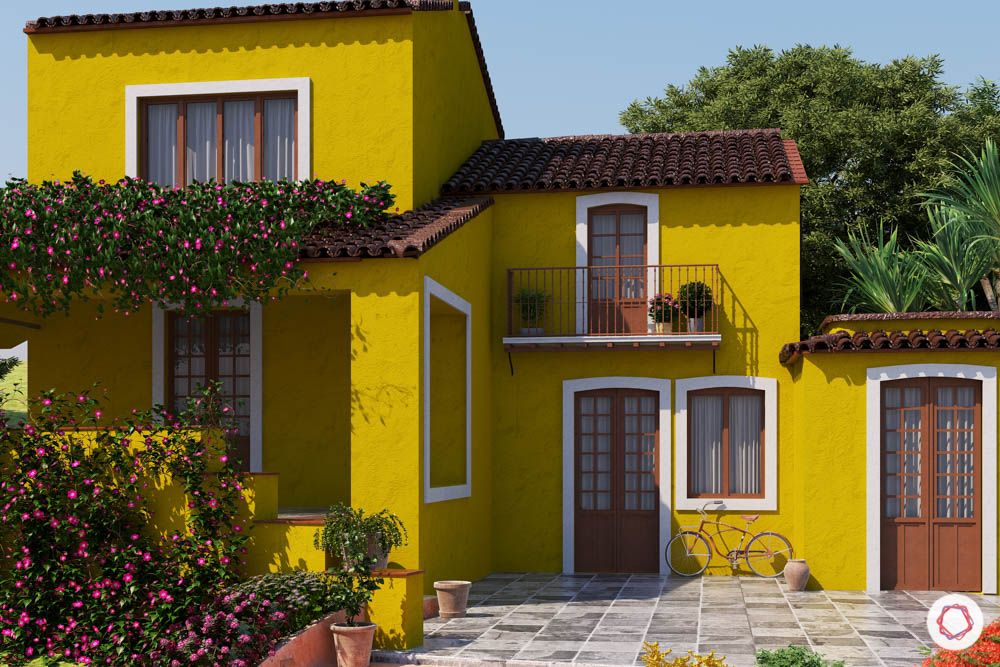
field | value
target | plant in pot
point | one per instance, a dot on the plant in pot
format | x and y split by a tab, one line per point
380	532
695	298
663	309
532	303
353	589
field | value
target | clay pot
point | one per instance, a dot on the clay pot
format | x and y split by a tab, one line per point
796	574
453	598
664	327
353	644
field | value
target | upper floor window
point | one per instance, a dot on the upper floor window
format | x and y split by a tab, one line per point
224	138
726	443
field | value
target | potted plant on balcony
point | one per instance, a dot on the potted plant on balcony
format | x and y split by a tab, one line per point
532	303
695	298
663	308
380	532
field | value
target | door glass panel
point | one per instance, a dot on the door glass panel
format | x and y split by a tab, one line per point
603	223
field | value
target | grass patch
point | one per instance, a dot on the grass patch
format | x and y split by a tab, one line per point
14	388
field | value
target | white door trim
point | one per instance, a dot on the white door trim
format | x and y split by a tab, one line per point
159	374
299	85
435	494
570	388
987	375
583	205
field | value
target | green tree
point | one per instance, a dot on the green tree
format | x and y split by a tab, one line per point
872	138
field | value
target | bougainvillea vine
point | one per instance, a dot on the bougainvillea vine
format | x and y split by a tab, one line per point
197	247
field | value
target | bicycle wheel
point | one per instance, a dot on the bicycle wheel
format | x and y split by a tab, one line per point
688	554
767	554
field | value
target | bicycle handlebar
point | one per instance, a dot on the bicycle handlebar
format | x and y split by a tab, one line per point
704	508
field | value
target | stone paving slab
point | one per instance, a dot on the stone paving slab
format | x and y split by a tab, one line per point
548	620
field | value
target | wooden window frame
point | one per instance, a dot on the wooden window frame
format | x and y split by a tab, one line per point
726	393
617	210
183	100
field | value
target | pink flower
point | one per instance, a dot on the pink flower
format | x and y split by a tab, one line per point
71	494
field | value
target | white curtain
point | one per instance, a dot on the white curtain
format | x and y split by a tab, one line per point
744	444
201	142
279	140
706	445
161	144
238	136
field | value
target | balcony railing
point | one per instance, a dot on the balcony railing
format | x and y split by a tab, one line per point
661	301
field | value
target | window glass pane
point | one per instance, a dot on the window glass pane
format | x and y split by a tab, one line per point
706	444
633	223
279	140
744	444
161	144
201	156
237	132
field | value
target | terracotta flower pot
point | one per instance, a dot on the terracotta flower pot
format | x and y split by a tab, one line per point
353	644
664	327
453	598
796	574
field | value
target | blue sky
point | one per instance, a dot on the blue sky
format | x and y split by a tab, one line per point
569	66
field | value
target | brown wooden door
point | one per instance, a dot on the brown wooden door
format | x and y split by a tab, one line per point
931	488
617	260
215	347
616	481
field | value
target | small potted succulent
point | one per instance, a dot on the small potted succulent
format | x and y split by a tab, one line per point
381	532
695	298
532	303
663	308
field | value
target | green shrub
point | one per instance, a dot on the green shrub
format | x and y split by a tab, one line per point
304	596
794	656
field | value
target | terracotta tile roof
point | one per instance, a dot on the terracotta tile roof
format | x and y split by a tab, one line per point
629	161
833	320
281	11
408	235
886	341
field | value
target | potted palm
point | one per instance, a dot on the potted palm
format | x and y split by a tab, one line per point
381	532
663	308
695	298
532	302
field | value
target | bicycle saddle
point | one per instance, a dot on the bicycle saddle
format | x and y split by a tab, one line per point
750	518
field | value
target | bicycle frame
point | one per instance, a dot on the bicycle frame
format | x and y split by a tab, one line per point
733	555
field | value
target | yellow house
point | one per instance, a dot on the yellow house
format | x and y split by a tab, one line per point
554	356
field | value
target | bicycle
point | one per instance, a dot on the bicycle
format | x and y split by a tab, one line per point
689	552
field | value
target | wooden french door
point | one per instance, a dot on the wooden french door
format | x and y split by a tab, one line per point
215	347
616	481
617	259
931	485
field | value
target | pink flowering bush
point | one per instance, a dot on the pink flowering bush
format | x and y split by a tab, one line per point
134	242
83	577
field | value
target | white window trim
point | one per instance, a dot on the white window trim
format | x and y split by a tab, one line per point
436	494
256	373
987	375
770	388
299	85
570	389
583	205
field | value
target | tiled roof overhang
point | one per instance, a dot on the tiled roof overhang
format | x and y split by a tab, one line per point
892	341
408	235
595	162
272	12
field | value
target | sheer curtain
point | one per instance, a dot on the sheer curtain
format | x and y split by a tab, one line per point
744	444
201	142
279	140
238	140
161	144
706	445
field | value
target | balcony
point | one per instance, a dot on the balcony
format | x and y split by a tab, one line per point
616	307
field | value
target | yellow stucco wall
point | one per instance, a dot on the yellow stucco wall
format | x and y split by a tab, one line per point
829	450
451	110
447	395
752	233
456	536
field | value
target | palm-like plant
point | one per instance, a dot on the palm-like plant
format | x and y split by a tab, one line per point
884	278
959	255
974	194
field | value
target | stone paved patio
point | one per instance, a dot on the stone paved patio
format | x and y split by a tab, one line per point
603	620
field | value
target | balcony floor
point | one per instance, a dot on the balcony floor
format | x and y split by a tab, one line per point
630	342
